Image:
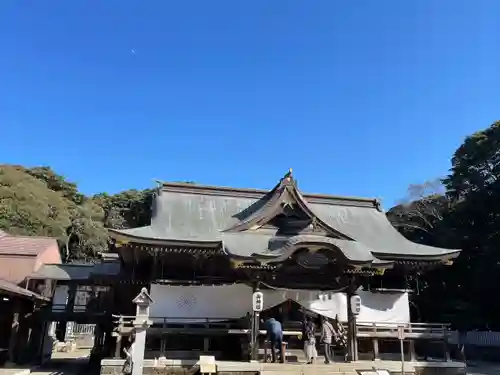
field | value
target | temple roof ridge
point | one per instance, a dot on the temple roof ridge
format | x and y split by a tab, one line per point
255	193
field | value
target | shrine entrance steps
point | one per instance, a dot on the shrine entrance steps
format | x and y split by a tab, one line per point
341	368
189	367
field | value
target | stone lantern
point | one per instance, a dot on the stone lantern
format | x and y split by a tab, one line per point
141	323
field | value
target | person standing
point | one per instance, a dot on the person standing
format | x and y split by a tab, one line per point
275	336
310	341
327	334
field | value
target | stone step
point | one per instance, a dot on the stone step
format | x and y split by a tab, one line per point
320	368
310	369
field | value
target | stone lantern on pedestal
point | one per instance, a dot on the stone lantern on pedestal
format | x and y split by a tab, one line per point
141	323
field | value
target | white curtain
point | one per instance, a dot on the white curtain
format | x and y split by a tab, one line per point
330	305
218	303
197	303
380	308
384	308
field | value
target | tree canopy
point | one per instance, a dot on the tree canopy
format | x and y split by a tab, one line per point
463	214
39	202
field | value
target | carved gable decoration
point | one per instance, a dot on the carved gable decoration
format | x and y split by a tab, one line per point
285	209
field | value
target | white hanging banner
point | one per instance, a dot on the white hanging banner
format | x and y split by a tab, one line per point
384	308
197	303
329	305
191	304
380	308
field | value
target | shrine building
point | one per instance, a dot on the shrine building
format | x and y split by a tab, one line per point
209	248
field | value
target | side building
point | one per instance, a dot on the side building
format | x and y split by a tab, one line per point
21	335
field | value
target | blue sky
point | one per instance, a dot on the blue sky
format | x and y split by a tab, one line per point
358	97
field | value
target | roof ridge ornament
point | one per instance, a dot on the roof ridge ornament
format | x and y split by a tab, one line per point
287	178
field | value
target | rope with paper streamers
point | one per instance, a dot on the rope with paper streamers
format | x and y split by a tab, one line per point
322	296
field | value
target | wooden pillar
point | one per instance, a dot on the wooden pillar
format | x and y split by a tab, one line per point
118	334
14	331
98	339
206	340
40	355
163	339
47	332
254	337
446	350
352	340
376	354
118	345
70	307
413	353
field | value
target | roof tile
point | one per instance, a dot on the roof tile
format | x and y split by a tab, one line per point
24	245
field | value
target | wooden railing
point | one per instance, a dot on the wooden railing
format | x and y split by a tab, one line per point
225	326
411	330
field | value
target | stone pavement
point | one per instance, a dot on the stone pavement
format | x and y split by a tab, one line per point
14	371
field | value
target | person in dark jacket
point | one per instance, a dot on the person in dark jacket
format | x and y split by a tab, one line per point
275	337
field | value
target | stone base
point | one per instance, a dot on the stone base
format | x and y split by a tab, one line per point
151	367
184	367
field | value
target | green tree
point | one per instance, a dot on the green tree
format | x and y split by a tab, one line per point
39	202
420	214
87	235
465	217
476	163
127	209
29	207
57	183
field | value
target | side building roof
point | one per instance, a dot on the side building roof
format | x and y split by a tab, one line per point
199	215
75	272
14	290
24	245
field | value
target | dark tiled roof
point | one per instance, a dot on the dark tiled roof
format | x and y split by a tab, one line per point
24	245
193	213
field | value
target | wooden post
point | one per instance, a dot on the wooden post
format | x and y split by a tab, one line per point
352	340
14	332
254	337
69	309
283	350
163	339
446	348
118	345
206	340
376	355
118	335
413	353
411	344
